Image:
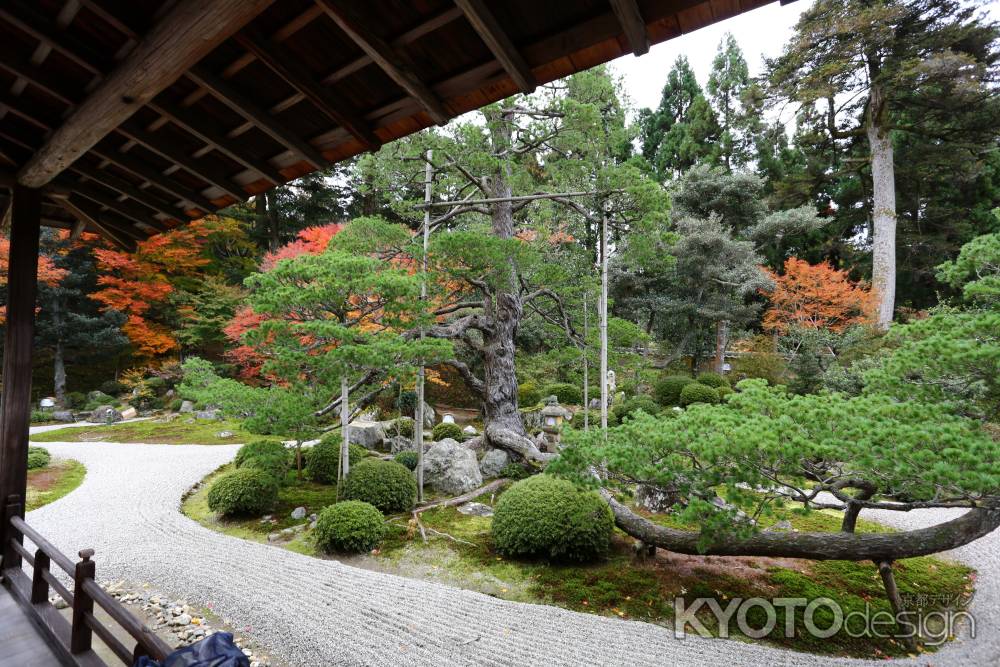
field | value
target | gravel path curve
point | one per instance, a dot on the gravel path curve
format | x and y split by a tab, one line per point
318	612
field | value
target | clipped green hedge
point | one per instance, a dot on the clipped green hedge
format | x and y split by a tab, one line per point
713	380
407	458
350	526
528	394
723	392
632	405
323	461
442	431
38	457
548	517
698	393
568	394
387	485
595	419
244	491
667	390
256	448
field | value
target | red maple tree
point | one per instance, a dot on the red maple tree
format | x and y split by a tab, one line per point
816	296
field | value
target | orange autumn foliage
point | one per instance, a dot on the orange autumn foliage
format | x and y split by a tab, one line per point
137	283
816	296
48	273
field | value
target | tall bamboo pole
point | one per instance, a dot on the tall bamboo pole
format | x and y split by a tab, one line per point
345	415
604	323
586	366
418	420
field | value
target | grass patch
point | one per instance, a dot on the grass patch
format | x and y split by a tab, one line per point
459	552
49	484
175	432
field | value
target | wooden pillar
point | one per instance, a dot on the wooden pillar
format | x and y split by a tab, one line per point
15	405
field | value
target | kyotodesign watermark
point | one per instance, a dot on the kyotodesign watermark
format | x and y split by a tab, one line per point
822	618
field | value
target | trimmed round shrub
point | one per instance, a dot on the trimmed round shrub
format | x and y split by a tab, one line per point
528	395
514	471
595	419
113	388
387	485
442	431
698	393
408	459
75	400
402	426
274	465
568	394
632	405
175	405
38	457
323	461
350	526
723	392
549	517
713	380
156	383
244	491
257	448
667	391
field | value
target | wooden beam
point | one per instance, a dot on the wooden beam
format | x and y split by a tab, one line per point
148	199
91	216
243	105
493	35
215	136
15	405
77	230
191	30
299	77
127	209
143	170
386	57
627	12
169	151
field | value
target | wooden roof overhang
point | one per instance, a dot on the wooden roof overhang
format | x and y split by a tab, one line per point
136	116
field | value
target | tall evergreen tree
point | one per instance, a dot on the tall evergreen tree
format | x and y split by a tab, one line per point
879	69
727	89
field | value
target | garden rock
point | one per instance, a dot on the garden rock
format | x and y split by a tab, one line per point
299	513
654	499
369	435
493	462
63	416
430	416
400	443
475	509
129	413
104	415
207	414
470	430
224	434
451	468
187	406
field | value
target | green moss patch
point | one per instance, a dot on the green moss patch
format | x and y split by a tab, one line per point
49	484
174	432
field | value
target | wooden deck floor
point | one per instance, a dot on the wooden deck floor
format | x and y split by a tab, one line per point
21	644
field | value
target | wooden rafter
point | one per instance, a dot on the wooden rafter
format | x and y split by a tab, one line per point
243	105
91	217
627	12
386	57
299	78
123	186
183	37
172	153
144	171
127	209
493	35
215	136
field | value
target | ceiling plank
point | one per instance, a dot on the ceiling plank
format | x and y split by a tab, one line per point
127	209
214	136
148	199
243	105
146	172
386	57
627	12
493	35
183	37
297	76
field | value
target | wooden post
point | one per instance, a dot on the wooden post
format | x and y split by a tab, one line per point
604	324
83	604
586	366
418	418
345	432
39	586
11	509
15	404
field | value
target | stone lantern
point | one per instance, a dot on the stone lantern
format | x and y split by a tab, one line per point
553	415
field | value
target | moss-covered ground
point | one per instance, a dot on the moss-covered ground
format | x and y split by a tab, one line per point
458	552
49	484
178	431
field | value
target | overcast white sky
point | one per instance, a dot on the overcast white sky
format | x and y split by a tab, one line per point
760	32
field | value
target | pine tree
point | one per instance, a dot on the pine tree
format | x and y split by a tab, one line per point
727	89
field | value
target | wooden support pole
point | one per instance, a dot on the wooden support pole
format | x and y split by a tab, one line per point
83	605
604	325
15	404
418	420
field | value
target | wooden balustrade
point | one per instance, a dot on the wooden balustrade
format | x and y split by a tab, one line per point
74	639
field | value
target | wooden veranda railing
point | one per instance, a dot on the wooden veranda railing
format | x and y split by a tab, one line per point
73	639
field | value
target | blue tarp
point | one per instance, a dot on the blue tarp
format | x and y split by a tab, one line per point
216	650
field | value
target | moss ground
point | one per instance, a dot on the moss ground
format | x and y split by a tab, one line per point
175	432
458	552
49	484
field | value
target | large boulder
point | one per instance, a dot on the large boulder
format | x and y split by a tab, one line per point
129	413
494	461
105	414
187	406
655	499
210	414
369	435
401	443
452	468
430	416
63	416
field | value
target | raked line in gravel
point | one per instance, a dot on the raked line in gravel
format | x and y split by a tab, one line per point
314	612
